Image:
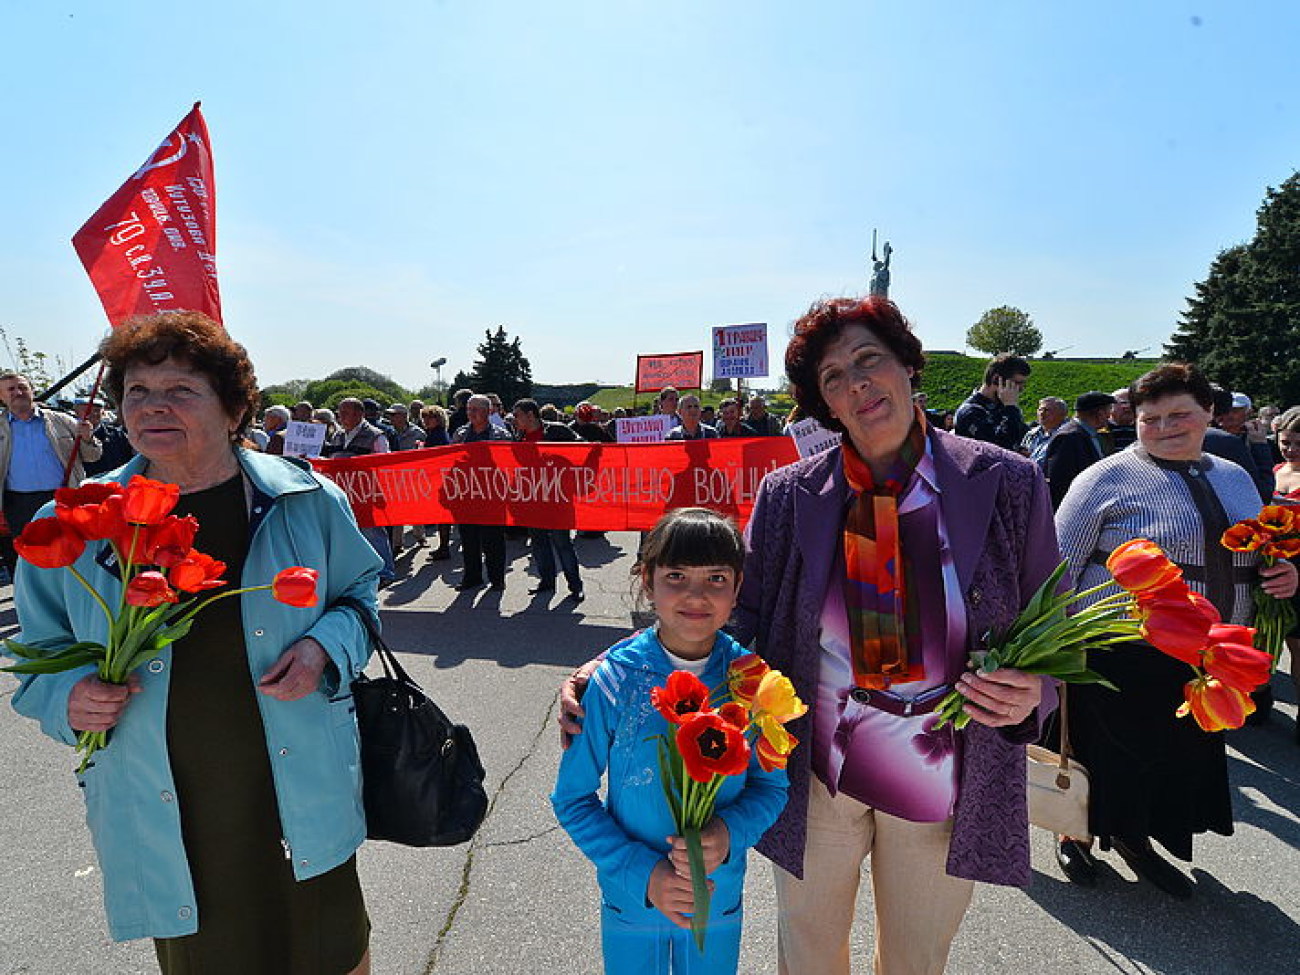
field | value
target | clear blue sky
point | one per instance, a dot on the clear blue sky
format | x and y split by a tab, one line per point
608	178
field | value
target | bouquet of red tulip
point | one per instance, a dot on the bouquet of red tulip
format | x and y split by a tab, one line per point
707	744
1274	534
1185	625
161	577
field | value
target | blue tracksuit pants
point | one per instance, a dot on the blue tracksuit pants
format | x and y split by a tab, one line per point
665	949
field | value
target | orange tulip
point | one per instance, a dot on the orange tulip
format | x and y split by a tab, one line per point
1204	605
295	586
94	521
1278	519
147	502
1283	548
92	492
769	756
1247	535
1231	657
1141	565
48	543
711	746
1214	705
735	715
744	676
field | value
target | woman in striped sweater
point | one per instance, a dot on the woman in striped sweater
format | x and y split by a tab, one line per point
1155	776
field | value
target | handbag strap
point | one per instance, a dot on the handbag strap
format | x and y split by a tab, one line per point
388	659
1064	712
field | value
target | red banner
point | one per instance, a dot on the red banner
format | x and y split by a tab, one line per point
152	246
588	486
683	370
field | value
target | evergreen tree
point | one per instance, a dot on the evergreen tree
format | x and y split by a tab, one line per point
1242	327
1005	329
501	368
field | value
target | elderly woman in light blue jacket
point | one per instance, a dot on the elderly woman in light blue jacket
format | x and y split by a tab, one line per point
226	809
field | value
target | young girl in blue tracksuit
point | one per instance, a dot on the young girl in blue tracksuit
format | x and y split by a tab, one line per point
690	569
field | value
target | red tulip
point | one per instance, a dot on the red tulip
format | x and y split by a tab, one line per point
94	521
169	541
710	746
735	715
1247	535
1141	565
744	676
147	502
196	572
1205	606
1214	705
1177	627
682	696
92	492
149	589
48	543
295	586
1232	658
769	756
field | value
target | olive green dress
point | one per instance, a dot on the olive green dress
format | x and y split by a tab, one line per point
254	918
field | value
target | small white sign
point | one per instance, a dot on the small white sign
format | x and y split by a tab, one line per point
810	437
740	351
644	429
304	439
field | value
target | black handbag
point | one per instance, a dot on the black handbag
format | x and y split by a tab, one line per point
421	778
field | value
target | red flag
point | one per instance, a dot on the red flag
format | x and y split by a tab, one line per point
682	370
153	245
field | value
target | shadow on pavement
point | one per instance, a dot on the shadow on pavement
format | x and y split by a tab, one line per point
1217	931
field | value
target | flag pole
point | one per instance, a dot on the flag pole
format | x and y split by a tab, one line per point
45	396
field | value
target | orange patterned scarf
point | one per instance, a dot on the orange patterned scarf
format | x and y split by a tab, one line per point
875	576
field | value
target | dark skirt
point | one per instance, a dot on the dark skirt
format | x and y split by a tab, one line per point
1152	774
254	917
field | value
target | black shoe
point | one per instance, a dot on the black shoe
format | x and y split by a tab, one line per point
1155	869
439	555
542	587
468	584
575	596
498	586
1077	863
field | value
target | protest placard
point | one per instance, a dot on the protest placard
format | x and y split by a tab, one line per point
643	429
682	370
740	351
810	437
303	439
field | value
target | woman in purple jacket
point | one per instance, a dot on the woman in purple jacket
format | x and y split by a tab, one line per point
873	571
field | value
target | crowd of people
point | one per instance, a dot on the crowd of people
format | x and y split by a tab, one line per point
868	574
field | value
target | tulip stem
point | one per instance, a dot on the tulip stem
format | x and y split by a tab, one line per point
108	613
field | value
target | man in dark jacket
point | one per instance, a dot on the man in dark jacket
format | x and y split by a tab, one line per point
1077	445
548	544
992	412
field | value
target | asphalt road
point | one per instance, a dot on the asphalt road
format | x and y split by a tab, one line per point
520	899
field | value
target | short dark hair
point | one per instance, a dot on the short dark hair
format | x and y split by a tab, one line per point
528	405
691	537
1222	400
822	324
1004	365
194	339
1171	379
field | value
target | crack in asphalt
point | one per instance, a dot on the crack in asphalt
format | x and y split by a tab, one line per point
462	892
523	839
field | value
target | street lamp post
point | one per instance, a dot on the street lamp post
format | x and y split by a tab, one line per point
437	365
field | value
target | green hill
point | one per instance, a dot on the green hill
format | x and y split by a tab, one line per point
949	378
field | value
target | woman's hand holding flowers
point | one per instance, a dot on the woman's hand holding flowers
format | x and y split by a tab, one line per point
1279	580
1000	699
